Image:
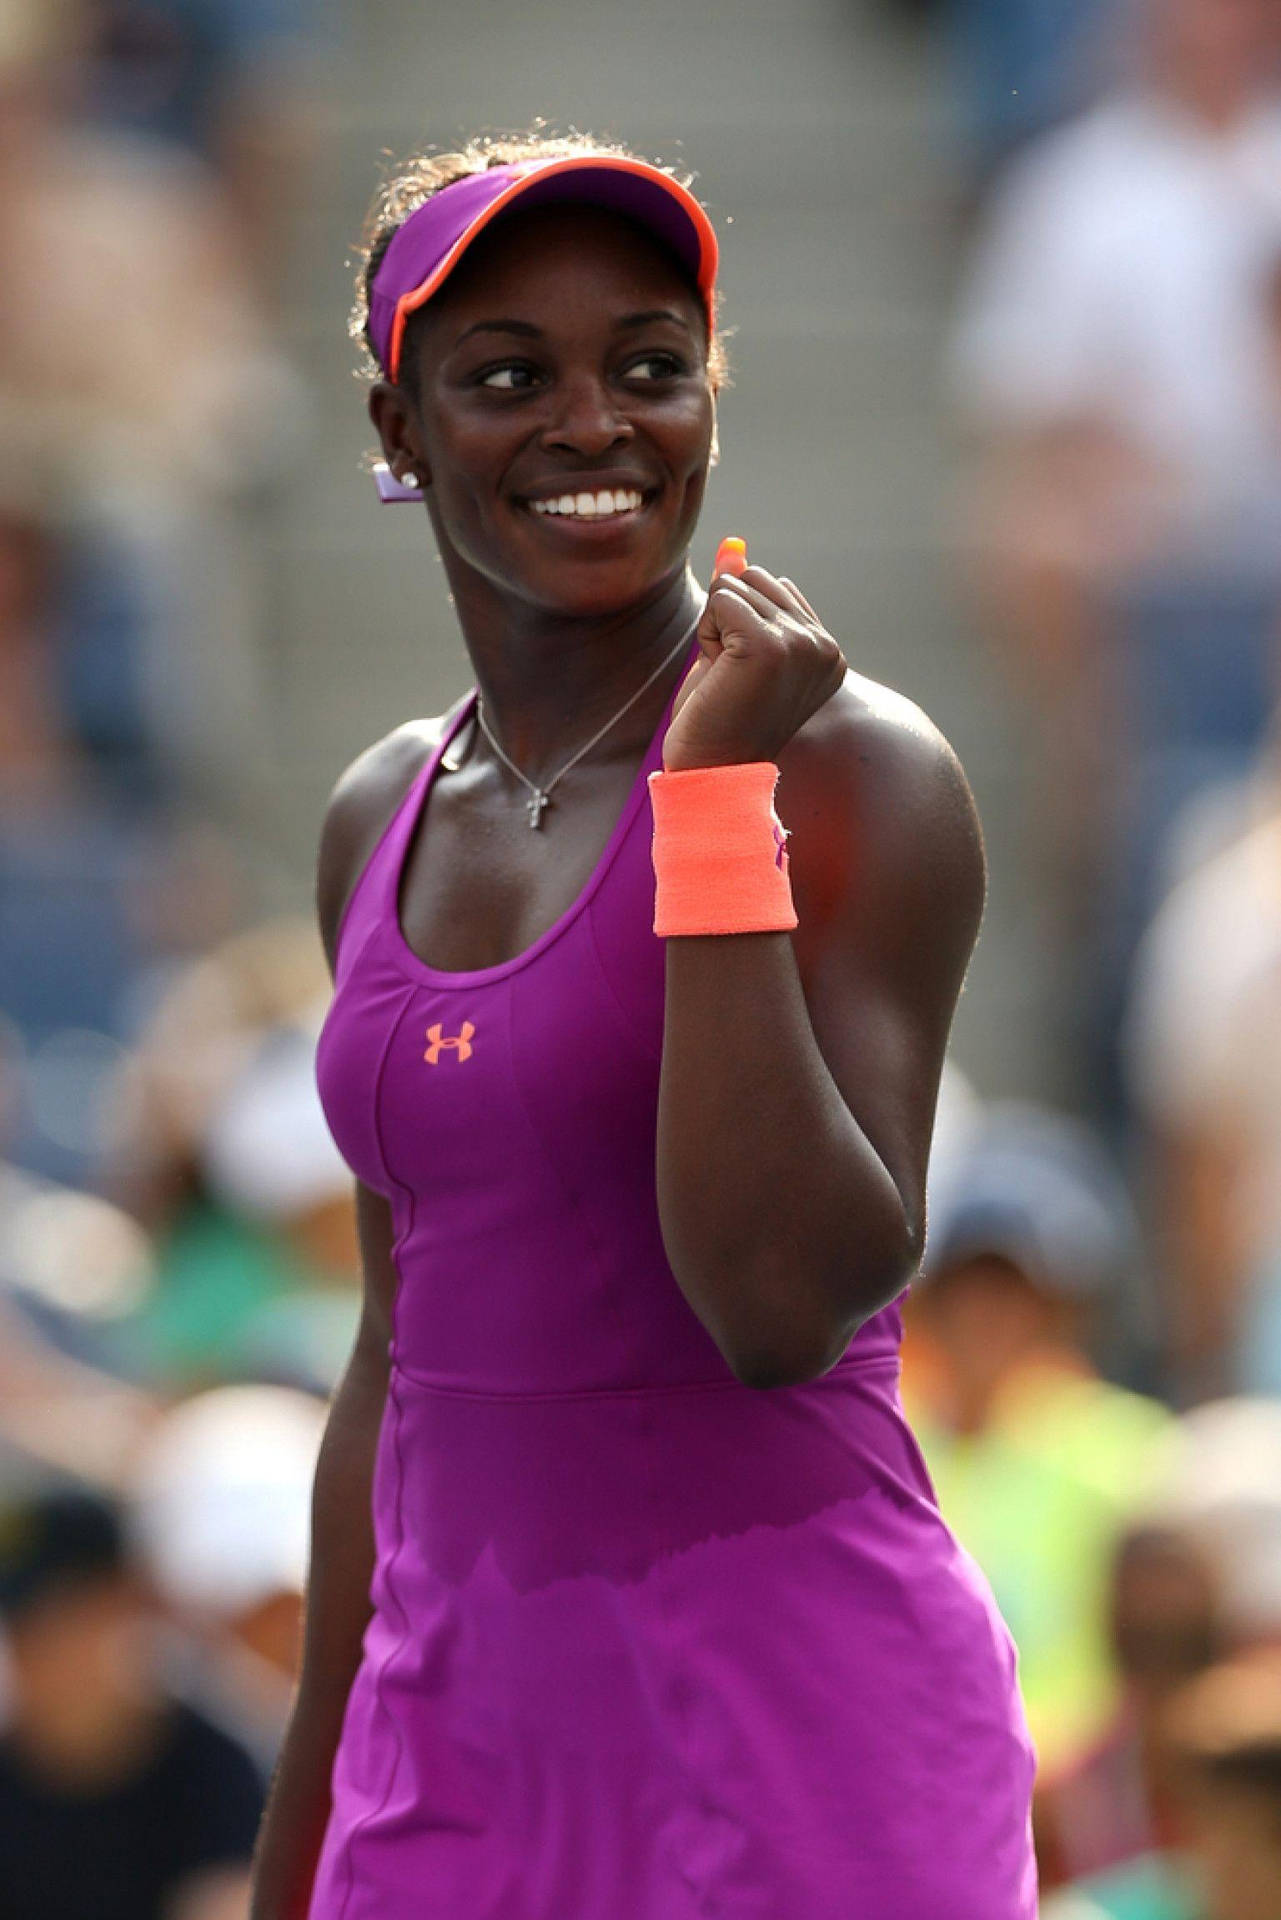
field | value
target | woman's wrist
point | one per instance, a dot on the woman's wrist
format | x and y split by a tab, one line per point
720	851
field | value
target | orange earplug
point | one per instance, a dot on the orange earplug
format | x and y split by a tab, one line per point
731	557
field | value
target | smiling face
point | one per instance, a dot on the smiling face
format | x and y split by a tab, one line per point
558	408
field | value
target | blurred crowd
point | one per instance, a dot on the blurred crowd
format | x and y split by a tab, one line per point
178	1272
1093	1360
1094	1352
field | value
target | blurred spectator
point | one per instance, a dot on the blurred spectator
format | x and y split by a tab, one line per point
271	1160
141	344
88	853
1203	1053
1119	311
1199	1577
142	366
1019	67
71	1265
1037	1460
232	81
69	701
1229	1727
1225	1729
1117	359
1117	1803
221	1509
70	849
1220	1483
201	1033
224	1153
116	1801
139	395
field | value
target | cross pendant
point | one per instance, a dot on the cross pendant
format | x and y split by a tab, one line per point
534	807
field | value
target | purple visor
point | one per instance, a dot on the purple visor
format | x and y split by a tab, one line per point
425	250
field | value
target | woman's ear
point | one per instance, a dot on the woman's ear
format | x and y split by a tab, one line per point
397	430
714	455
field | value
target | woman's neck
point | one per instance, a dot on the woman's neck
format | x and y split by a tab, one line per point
548	680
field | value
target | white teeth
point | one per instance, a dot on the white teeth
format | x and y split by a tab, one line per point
591	505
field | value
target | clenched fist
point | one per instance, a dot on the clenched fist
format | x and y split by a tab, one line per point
767	663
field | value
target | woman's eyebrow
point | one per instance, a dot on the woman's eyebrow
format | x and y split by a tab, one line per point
647	318
523	327
526	330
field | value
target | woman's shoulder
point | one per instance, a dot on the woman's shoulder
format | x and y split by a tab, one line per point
363	800
877	798
879	751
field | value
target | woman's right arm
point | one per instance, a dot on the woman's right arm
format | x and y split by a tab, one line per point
342	1545
338	1605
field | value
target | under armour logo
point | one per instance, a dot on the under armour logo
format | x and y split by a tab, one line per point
438	1041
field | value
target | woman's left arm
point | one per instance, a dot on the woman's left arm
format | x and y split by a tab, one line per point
800	1072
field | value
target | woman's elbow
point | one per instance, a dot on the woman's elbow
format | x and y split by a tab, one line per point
763	1371
797	1346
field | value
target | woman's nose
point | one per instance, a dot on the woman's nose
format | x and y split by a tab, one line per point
587	419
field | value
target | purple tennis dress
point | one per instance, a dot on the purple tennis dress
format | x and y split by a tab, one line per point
646	1644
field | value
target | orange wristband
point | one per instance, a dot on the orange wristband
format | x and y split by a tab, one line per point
720	853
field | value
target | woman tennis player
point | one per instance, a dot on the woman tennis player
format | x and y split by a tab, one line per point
630	1599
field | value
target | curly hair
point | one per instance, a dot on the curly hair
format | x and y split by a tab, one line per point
411	183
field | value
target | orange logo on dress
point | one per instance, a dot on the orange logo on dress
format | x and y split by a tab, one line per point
438	1041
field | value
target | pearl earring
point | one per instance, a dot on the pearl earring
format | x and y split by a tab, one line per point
392	489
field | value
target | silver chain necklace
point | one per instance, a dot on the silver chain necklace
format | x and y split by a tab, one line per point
541	795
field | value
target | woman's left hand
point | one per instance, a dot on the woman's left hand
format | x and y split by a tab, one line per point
768	663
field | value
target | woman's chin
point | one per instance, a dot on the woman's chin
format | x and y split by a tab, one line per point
583	590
